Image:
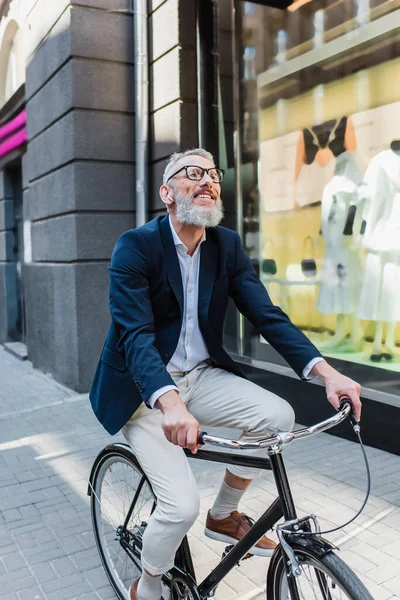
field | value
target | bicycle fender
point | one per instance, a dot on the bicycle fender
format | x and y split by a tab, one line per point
317	545
123	449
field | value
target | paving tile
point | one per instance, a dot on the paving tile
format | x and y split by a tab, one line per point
33	593
378	592
393	584
43	572
393	549
24	581
14	561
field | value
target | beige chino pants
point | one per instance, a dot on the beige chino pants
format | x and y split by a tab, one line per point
215	398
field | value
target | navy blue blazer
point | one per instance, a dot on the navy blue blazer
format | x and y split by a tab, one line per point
146	305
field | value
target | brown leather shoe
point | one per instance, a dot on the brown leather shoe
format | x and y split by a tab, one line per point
133	590
233	528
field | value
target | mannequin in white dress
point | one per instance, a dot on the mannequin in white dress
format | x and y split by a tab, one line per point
328	149
341	276
380	294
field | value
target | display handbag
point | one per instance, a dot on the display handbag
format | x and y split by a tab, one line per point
269	264
351	215
308	265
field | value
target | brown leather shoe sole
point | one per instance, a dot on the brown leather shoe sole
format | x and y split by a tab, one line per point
232	529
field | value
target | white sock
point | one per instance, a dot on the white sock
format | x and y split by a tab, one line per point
149	588
226	502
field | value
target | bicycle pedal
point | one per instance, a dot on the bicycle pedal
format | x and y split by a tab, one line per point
227	550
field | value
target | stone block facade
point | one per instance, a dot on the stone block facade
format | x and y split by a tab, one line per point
78	173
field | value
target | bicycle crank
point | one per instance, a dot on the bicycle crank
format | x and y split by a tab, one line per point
183	590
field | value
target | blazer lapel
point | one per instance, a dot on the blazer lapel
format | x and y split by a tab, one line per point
172	262
208	266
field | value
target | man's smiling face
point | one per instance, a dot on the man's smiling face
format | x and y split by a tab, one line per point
197	202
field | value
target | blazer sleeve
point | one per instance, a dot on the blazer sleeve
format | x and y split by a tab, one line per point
132	314
253	301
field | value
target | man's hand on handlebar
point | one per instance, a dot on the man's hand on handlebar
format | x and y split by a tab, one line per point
338	386
179	426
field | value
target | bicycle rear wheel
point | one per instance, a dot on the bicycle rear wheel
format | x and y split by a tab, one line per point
323	578
122	501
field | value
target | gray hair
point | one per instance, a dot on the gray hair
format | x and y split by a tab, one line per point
176	157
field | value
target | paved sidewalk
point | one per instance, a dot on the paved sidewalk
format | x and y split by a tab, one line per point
48	440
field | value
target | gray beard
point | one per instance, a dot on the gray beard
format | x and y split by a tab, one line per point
189	214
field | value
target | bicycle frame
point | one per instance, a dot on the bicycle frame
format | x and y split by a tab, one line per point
283	506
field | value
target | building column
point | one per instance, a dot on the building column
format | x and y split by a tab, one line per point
80	172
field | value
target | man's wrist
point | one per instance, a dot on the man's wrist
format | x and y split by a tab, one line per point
169	400
323	370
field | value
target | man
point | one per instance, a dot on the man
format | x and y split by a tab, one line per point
163	369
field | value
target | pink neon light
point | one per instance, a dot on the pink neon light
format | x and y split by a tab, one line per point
13	142
13	125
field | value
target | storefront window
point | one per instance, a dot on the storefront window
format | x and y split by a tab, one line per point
320	158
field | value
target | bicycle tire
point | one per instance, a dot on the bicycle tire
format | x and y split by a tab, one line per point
338	581
116	468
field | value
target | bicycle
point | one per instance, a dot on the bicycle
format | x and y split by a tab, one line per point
302	566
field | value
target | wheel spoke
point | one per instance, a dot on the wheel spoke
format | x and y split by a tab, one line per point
117	483
323	584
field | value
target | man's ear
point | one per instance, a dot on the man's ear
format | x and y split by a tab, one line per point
166	196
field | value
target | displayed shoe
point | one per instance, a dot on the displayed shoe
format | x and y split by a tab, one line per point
388	352
133	590
231	529
352	347
334	345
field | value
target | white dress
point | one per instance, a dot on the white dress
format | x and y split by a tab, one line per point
380	294
341	276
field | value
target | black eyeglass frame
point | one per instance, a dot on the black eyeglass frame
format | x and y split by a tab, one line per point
203	169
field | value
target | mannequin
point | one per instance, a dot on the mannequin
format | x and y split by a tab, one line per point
327	151
342	267
379	299
317	147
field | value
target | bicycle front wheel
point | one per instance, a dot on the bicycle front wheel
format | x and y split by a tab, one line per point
122	502
322	578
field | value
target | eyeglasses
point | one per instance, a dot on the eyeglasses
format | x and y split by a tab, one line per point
196	173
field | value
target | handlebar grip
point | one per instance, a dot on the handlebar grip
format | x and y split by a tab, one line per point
343	401
346	400
201	438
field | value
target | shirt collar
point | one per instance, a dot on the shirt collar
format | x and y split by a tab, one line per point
177	239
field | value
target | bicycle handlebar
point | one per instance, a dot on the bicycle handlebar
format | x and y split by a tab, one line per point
283	438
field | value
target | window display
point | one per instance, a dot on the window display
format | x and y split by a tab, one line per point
327	145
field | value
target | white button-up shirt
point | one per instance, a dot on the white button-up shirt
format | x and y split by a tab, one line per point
191	349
